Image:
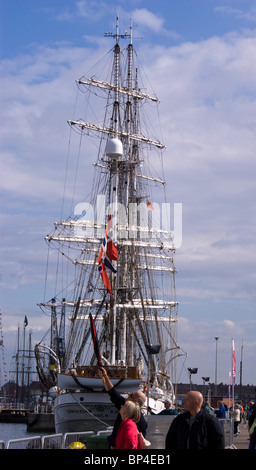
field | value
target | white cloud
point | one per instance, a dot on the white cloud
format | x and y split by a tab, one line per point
208	104
209	123
149	19
93	10
237	13
229	323
198	340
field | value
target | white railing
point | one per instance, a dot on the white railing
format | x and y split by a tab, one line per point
25	443
42	409
74	437
51	441
14	406
63	441
228	425
35	408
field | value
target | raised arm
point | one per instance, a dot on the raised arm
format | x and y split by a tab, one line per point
105	378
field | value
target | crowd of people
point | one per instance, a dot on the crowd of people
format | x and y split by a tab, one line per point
240	413
196	427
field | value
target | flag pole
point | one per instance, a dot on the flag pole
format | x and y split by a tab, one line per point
229	386
232	377
233	363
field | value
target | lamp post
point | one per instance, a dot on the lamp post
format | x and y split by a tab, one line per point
192	370
216	361
205	379
151	349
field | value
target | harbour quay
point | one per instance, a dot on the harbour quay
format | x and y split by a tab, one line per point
158	427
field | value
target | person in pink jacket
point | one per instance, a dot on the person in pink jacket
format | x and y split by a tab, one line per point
127	434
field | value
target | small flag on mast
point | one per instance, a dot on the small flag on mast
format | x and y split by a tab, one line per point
25	321
150	205
108	253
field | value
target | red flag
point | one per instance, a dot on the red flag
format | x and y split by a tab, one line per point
108	253
150	205
233	362
105	278
95	341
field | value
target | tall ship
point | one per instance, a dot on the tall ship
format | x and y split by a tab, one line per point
118	307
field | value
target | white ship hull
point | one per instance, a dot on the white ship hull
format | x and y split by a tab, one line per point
81	411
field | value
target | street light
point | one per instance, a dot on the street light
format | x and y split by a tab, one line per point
215	388
205	379
151	349
192	370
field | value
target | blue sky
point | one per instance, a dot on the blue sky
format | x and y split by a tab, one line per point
199	56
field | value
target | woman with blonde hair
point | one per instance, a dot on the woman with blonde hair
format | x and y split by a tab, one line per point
127	434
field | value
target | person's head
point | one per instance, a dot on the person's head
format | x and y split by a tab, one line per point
130	409
193	402
167	404
137	397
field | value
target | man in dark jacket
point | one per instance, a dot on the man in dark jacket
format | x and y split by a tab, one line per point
118	401
195	428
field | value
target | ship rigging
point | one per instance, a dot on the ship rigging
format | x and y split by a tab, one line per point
122	252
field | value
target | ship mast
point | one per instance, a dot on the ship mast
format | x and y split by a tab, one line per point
121	185
111	151
137	312
124	192
125	187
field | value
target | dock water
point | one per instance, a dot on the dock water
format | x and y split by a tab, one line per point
40	422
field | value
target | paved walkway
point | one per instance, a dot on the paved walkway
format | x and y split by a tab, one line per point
242	440
159	426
